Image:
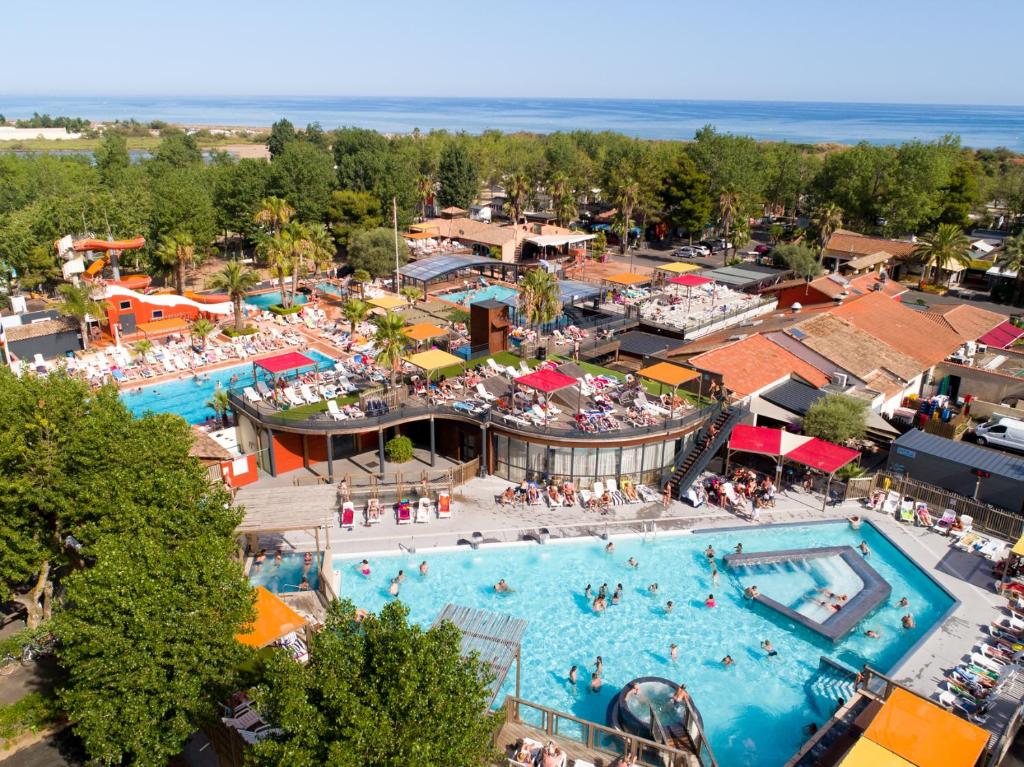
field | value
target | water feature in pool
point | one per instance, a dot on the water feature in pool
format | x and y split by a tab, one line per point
187	397
803	584
753	711
266	300
488	293
284	577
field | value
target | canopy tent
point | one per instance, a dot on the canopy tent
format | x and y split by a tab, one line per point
274	620
281	363
690	280
547	381
424	331
824	456
867	753
1018	547
557	240
388	302
627	278
433	359
669	374
925	734
678	267
764	441
417	235
1002	336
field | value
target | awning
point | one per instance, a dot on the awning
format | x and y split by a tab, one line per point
925	734
547	381
162	327
867	753
824	456
690	280
274	620
417	235
762	407
627	278
668	374
433	359
1002	335
678	267
557	240
765	441
388	302
997	271
1018	547
283	362
575	290
423	331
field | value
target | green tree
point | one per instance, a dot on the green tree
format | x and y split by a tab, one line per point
236	280
176	150
111	157
374	251
322	248
182	203
239	189
539	297
732	163
273	213
350	212
282	133
80	302
424	192
625	195
344	708
411	294
799	257
945	247
304	175
1012	260
457	175
202	329
827	218
390	340
220	403
143	347
178	251
599	245
729	211
836	418
355	311
686	197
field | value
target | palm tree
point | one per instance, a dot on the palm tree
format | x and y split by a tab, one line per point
390	340
411	294
1012	260
322	248
143	347
236	280
424	191
274	213
627	193
177	251
539	297
517	193
563	200
728	209
826	220
298	247
362	277
201	329
220	403
946	245
355	311
80	302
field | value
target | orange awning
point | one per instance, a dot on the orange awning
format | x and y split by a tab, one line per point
274	619
668	374
162	327
924	734
627	278
867	753
424	330
417	235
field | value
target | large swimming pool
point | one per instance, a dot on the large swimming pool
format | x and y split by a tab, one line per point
754	711
488	293
266	300
188	396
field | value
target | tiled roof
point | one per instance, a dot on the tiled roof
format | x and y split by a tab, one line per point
866	283
42	328
754	363
901	328
853	349
206	448
871	259
968	322
851	243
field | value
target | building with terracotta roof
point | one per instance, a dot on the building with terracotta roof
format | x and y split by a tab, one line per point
514	243
845	246
754	364
831	288
969	322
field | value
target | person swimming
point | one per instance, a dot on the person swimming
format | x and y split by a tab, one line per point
393	588
609	548
750	592
599	664
904	602
634	690
872	634
586	591
653	588
401	576
739	548
424	567
864	550
595	682
573	675
908	621
714	574
710	601
680	694
673	652
668	607
257	563
709	552
766	645
600	604
616	597
501	587
633	563
364	567
727	661
304	584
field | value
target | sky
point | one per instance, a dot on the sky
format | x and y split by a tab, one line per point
909	51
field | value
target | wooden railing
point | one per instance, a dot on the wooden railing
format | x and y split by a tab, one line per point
401	484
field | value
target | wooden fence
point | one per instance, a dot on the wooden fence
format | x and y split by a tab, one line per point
361	486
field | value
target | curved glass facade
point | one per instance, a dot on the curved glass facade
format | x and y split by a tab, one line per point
516	459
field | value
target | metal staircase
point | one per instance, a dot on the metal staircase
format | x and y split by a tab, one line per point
690	464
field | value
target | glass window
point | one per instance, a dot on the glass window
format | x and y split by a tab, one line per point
561	461
585	461
125	305
500	449
608	462
157	314
537	460
632	460
516	453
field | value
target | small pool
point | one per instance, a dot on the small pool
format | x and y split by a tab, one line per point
488	293
803	584
754	712
188	396
266	300
284	577
331	288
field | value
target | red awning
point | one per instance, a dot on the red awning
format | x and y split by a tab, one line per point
824	456
282	362
690	280
546	381
756	439
1002	335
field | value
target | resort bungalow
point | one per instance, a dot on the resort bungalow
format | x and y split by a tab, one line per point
508	243
46	334
833	288
845	246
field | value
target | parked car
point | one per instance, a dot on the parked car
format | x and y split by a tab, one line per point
762	248
685	252
717	245
1001	431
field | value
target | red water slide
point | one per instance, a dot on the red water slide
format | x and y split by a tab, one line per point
104	245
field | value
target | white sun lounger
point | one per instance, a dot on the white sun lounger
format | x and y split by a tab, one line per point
307	394
292	397
494	365
483	394
251	395
335	411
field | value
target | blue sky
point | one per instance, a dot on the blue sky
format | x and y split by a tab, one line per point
917	51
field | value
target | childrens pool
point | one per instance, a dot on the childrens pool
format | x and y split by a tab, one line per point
188	396
754	711
266	300
488	293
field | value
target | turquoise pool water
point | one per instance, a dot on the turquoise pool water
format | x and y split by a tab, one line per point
799	584
489	293
753	711
266	300
188	396
329	287
284	577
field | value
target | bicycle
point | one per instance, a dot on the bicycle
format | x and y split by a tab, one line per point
7	664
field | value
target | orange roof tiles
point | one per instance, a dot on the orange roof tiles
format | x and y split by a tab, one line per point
844	242
968	322
752	364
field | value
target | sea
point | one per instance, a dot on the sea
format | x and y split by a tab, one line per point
803	122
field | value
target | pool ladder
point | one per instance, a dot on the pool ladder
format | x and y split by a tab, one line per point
650	531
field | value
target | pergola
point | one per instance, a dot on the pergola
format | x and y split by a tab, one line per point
628	279
548	382
668	374
424	331
387	303
433	359
496	639
282	364
826	457
433	268
690	281
274	620
678	267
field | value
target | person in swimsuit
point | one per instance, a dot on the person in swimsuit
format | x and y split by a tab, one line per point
502	588
609	548
904	602
709	552
364	567
750	592
595	682
257	564
393	588
673	652
633	563
680	694
727	661
668	607
710	601
573	675
653	588
766	645
908	621
401	576
424	567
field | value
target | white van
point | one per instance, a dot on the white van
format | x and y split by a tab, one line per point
1001	431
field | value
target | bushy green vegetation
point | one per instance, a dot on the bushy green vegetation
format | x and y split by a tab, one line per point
32	713
836	418
399	449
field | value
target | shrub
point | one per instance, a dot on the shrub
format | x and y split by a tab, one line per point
32	713
399	449
281	311
248	330
459	315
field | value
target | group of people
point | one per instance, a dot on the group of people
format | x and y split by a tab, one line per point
530	494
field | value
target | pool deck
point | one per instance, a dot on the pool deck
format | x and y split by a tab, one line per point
967	577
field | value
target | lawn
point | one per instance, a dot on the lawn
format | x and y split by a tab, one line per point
651	387
32	713
301	413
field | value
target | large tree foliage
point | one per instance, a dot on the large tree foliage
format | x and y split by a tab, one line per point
374	251
458	176
350	212
304	175
380	692
836	418
282	133
686	196
798	257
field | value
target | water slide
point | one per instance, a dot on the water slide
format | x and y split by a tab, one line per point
65	246
168	300
207	298
90	243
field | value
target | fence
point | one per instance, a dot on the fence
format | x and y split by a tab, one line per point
398	484
987	519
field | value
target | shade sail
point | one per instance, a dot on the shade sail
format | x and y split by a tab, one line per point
690	280
867	753
668	374
1002	335
433	359
1018	547
627	278
417	235
279	363
761	439
274	620
388	302
924	734
557	240
169	325
824	456
424	330
679	267
547	381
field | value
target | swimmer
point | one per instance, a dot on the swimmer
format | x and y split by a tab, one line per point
680	694
904	602
766	645
710	601
599	665
364	567
502	588
609	548
653	588
673	652
278	557
586	591
603	591
257	563
727	661
393	588
307	559
424	567
709	552
600	604
668	607
865	552
401	576
908	621
633	563
304	584
634	690
595	682
739	548
871	634
573	675
616	597
714	574
750	592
